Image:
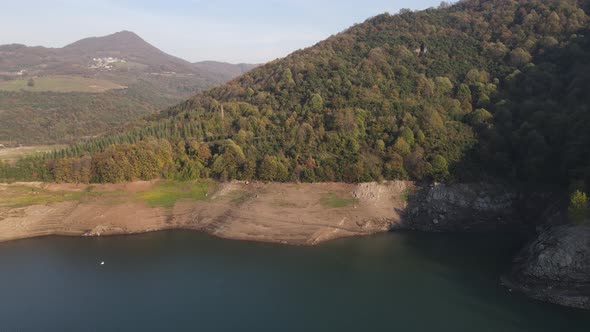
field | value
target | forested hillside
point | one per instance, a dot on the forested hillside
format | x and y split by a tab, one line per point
95	86
480	88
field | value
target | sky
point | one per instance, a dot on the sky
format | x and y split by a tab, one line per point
251	31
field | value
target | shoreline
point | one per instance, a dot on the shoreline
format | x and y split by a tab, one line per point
301	214
282	213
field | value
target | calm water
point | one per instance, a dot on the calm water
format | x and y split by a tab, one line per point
189	281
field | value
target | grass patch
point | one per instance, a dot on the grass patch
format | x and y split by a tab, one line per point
167	193
406	194
23	195
60	83
20	196
332	200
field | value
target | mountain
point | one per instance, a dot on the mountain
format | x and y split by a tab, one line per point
92	87
78	57
132	48
480	88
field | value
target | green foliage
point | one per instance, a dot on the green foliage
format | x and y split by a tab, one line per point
402	147
142	161
167	193
475	88
520	57
20	196
316	103
332	200
481	116
272	169
440	168
50	117
578	210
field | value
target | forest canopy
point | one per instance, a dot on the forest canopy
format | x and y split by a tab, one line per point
480	88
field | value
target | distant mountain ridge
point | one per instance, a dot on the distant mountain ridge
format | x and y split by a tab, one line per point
131	47
124	45
41	113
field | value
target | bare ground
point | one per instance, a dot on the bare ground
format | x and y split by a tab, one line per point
287	213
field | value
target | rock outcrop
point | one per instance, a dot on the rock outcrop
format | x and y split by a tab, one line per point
555	267
460	208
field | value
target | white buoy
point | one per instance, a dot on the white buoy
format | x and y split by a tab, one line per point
102	263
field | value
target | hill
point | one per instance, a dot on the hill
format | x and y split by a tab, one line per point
130	47
127	51
480	88
86	70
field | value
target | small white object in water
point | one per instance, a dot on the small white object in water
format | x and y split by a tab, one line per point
102	263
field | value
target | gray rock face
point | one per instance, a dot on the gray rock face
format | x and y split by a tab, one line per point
555	267
460	208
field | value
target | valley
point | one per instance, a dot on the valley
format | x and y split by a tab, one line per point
59	83
95	86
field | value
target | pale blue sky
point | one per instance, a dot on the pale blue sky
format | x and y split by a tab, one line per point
224	30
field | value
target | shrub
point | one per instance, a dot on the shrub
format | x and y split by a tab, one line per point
578	207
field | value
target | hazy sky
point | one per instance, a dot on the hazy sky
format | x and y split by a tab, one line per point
224	30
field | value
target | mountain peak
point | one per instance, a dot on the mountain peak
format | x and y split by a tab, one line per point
118	40
125	32
125	35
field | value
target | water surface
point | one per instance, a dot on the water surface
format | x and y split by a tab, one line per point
189	281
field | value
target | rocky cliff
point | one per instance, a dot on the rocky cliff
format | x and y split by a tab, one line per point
555	267
461	207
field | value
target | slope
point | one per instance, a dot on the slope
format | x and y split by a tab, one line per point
34	109
420	95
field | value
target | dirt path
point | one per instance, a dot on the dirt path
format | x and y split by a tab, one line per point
303	214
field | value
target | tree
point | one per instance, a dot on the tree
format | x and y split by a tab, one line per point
287	79
444	5
481	116
520	57
316	103
578	207
31	82
363	106
230	163
440	168
443	85
272	169
402	147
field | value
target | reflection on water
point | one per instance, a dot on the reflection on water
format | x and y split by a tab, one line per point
189	281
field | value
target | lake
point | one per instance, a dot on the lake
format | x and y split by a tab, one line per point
186	281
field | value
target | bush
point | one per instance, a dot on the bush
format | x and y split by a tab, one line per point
578	208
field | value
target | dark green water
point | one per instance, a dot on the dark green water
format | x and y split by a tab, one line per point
175	281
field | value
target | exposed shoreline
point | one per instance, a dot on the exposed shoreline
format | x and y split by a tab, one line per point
304	214
285	213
